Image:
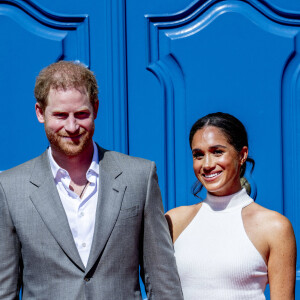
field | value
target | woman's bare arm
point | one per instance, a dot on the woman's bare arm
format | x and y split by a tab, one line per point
282	258
179	218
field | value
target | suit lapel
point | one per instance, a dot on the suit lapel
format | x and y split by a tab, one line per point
48	204
110	197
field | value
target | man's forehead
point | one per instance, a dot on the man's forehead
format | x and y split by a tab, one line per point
59	89
74	97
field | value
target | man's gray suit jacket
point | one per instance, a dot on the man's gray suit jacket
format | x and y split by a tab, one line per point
37	249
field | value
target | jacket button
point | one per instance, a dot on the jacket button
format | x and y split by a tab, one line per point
87	279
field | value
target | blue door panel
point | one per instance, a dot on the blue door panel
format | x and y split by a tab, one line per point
239	57
30	40
284	7
37	33
225	69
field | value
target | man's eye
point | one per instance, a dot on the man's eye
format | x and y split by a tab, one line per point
82	115
60	115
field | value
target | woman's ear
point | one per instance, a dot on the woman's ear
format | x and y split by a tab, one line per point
243	155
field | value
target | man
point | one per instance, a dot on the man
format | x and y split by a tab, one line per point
78	221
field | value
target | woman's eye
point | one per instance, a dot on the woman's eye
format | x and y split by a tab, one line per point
197	155
218	152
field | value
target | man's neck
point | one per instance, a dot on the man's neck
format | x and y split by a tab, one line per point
76	166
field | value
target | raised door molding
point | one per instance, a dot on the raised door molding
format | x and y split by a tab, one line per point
32	38
71	31
241	57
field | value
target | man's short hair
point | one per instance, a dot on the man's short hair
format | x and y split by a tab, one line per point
65	75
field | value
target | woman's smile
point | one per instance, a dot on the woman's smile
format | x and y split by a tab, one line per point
212	176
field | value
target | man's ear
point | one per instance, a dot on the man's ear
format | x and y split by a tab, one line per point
39	113
95	108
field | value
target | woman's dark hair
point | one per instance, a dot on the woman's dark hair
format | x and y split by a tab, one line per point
234	131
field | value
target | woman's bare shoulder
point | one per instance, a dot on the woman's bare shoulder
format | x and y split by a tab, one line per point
180	217
271	222
275	231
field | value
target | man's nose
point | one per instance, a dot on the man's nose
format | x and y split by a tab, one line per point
71	124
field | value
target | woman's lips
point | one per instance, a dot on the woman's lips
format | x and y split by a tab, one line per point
211	176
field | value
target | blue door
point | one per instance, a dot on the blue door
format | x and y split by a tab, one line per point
160	66
190	58
35	34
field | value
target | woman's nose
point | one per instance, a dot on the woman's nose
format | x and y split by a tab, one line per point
208	162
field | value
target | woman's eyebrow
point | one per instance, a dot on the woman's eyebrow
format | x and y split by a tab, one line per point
196	149
211	147
217	146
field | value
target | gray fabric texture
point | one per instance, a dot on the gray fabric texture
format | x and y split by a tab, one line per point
37	249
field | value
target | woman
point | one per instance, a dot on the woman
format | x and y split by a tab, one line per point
228	247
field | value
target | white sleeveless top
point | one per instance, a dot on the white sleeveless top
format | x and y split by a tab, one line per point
215	258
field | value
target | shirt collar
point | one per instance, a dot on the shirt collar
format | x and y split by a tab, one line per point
59	172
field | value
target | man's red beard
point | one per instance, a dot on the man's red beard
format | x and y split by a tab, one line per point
63	142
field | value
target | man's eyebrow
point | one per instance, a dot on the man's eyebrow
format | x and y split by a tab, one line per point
57	111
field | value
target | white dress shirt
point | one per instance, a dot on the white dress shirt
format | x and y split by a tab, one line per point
81	212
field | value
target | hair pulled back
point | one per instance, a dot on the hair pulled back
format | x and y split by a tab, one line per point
233	130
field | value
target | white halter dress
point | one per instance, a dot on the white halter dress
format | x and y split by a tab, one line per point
215	258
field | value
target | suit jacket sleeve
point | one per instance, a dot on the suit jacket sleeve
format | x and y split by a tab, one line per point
9	253
158	268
